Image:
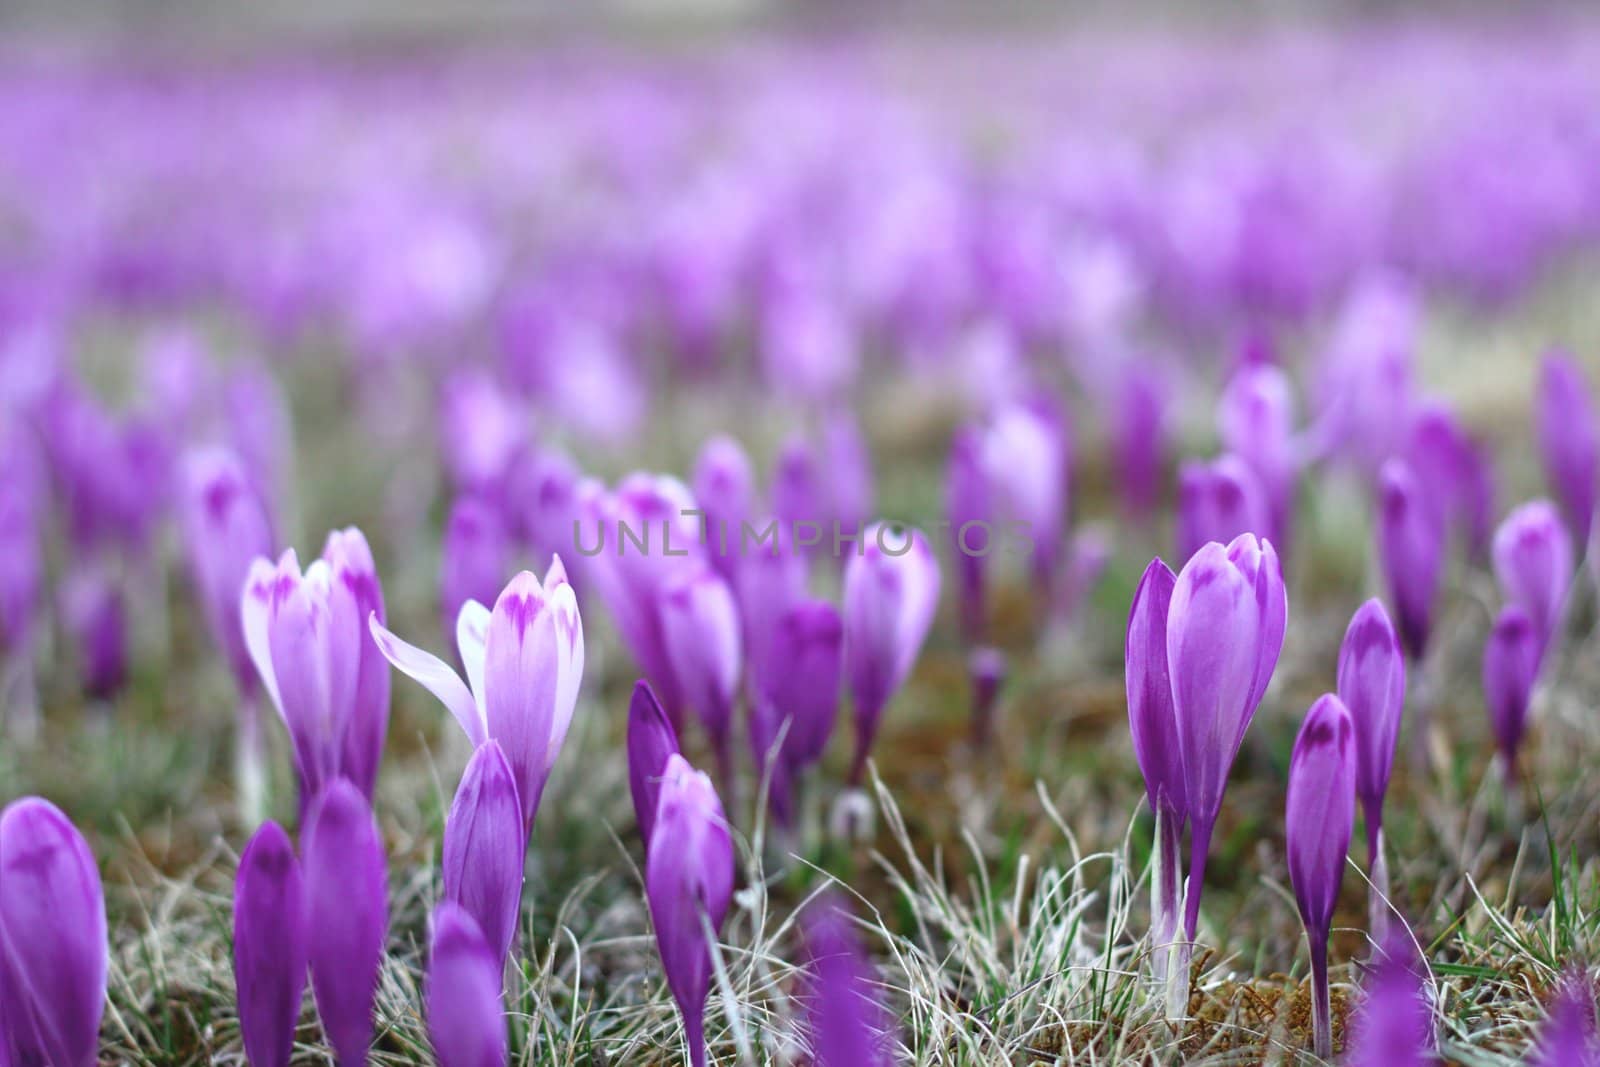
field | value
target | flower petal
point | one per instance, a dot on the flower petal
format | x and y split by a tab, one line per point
434	675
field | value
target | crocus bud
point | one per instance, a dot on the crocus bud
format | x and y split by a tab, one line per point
1393	1025
1218	501
482	429
1256	422
92	612
845	1023
798	496
1533	564
484	847
688	882
1225	629
1151	718
724	487
347	916
986	669
52	939
651	742
351	561
1317	823
1453	469
524	661
798	699
1372	685
967	506
1568	1037
1411	551
700	624
844	455
1569	441
475	556
1140	440
891	591
1026	456
225	526
269	945
771	580
1510	669
466	1019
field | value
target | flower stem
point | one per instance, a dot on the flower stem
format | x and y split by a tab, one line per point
1378	876
1321	1011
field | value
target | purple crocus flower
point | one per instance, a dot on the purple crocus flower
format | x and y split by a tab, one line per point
1256	422
967	507
651	742
700	624
347	916
1510	669
475	556
1372	685
260	427
1393	1024
225	525
1225	628
1453	468
524	663
1533	563
1568	1036
845	1024
1411	551
351	561
1140	437
52	939
269	945
797	492
724	487
21	570
93	613
1569	441
986	670
797	700
466	1018
1317	824
844	455
891	592
482	431
1026	458
484	847
1218	501
688	882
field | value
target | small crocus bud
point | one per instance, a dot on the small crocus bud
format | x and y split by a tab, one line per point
845	1024
1218	501
700	625
1256	422
1411	551
689	883
1452	467
1027	459
1510	669
1393	1025
1317	824
1372	685
724	487
986	668
1140	439
1568	1036
651	742
524	661
891	592
1569	441
269	945
225	526
967	506
466	1017
771	580
1225	629
1533	564
347	916
484	847
475	557
92	612
798	699
52	939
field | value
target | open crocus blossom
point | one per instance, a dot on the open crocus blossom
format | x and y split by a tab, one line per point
269	945
688	882
891	590
1154	726
52	940
1510	669
795	704
1317	824
1225	629
1411	552
466	1019
1533	564
1372	685
484	847
306	635
700	624
524	661
347	916
1218	501
651	742
845	1025
1393	1024
1569	441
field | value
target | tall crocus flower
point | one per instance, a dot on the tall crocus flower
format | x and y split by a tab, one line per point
651	742
347	916
1569	441
52	939
700	625
466	1018
1218	501
524	663
269	945
1533	564
475	556
484	847
845	1024
1568	1037
1154	725
1225	629
1510	669
1317	824
1392	1026
724	487
891	591
797	701
1372	685
1411	552
1256	422
688	882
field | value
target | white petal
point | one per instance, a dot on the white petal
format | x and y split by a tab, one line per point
434	675
472	636
255	615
